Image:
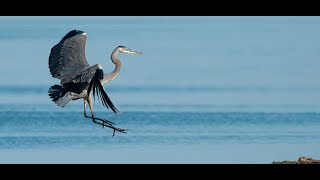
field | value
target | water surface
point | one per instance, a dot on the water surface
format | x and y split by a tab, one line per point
205	90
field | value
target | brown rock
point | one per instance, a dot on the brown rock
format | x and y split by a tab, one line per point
301	160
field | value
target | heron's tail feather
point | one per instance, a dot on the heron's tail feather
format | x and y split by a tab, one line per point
57	95
97	89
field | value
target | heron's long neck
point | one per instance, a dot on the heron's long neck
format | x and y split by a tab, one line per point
110	76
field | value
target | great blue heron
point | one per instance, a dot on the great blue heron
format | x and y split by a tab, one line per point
67	62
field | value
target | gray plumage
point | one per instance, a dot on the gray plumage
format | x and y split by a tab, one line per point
67	58
67	62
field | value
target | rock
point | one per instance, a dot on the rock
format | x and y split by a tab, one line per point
301	160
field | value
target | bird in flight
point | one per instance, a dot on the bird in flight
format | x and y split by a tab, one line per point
79	80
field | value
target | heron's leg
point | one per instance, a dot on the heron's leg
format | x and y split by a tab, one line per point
84	108
103	123
91	117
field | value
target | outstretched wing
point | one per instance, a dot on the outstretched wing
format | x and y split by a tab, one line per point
97	89
67	58
86	75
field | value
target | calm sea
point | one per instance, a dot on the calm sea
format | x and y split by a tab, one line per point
205	90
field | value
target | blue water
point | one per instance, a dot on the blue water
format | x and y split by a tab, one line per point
205	90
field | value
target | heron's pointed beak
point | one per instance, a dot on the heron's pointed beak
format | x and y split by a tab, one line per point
136	52
132	52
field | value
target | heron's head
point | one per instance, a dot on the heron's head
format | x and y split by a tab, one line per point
123	49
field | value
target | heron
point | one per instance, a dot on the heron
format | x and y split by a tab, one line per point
79	80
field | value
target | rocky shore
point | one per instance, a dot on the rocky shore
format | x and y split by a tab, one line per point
301	160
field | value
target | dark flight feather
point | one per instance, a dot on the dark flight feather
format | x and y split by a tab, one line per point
97	90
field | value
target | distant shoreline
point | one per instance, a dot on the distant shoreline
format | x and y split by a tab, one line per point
301	160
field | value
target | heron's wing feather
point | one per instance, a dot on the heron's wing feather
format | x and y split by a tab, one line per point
83	76
67	58
97	90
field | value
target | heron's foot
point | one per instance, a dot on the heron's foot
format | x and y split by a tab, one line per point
119	130
103	120
103	124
